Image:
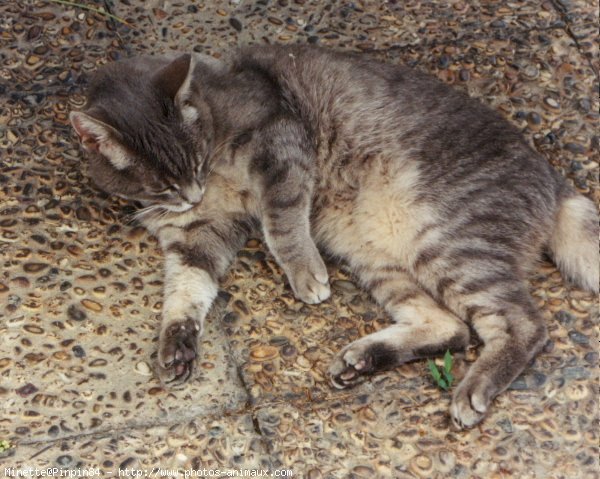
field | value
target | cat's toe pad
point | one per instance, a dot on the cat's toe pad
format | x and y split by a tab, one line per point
177	351
349	366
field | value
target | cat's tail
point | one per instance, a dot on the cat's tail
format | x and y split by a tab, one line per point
574	241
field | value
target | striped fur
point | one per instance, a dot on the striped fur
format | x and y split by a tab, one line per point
434	201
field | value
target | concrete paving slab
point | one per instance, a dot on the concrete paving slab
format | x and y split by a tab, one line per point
380	436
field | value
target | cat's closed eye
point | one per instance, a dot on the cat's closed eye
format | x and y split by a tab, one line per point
169	190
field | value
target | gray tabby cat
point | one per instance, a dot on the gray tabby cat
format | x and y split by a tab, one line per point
436	203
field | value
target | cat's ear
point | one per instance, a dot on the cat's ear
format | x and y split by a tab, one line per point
97	136
175	82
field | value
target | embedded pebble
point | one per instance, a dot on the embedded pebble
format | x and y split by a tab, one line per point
575	148
78	351
591	357
534	118
346	286
91	305
579	338
34	267
551	102
235	23
576	372
264	353
576	392
143	368
64	460
75	313
30	328
26	390
531	72
289	351
422	465
279	341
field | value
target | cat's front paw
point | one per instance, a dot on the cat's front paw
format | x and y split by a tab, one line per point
177	351
310	282
470	402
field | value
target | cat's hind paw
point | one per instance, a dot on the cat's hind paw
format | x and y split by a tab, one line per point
177	351
350	366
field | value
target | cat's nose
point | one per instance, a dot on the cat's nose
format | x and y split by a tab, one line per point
192	193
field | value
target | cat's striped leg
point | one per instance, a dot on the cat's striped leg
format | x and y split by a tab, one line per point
286	178
422	328
512	331
189	292
480	280
196	255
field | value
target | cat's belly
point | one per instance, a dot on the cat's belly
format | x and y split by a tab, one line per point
378	224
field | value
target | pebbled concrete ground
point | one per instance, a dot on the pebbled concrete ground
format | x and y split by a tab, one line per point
80	285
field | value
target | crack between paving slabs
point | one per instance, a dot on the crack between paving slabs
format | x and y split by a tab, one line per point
248	409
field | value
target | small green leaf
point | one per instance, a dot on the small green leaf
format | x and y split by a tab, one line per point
434	371
448	361
442	384
449	377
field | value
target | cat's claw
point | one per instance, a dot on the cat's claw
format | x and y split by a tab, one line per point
177	352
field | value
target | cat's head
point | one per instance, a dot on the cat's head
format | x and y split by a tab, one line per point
142	134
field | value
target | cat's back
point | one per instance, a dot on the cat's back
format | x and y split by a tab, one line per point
345	95
325	85
360	109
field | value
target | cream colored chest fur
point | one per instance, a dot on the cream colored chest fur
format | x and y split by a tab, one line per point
378	224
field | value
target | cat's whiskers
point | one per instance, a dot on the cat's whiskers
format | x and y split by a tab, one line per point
162	214
145	212
129	218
